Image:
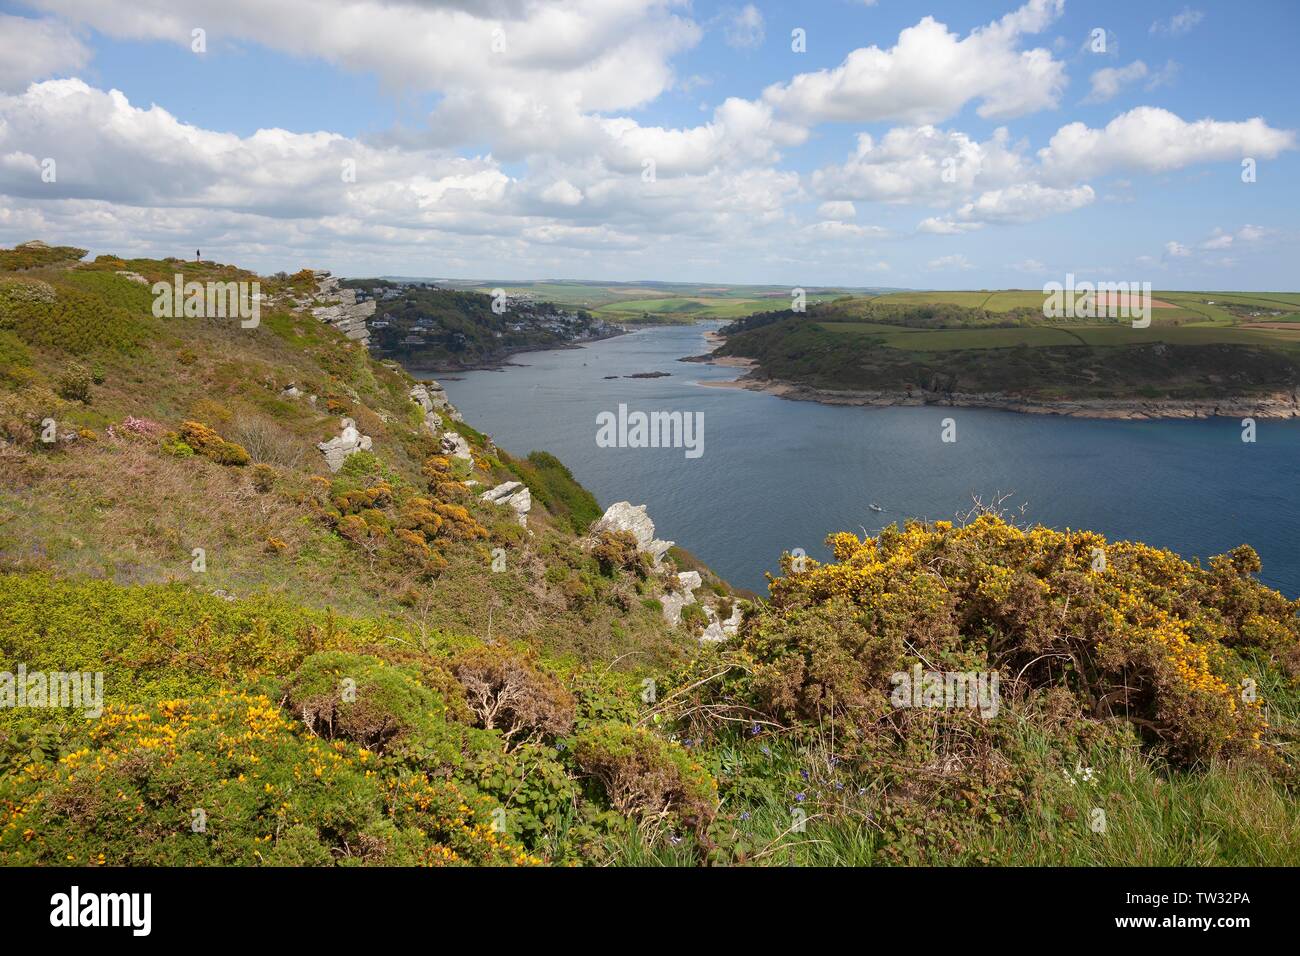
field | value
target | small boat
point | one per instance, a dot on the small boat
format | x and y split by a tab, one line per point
876	507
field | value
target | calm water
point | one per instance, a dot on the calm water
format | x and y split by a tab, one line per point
777	474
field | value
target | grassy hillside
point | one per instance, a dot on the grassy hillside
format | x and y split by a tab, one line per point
658	303
374	667
444	329
1198	345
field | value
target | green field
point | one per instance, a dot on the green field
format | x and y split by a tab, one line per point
940	340
1188	308
661	302
1199	345
690	308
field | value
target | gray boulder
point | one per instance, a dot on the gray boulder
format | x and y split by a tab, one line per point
349	442
511	494
674	601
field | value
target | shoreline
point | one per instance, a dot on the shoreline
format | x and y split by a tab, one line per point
1282	405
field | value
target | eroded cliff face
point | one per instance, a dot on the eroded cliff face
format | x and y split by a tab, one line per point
339	307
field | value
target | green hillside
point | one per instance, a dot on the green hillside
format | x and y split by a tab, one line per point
374	666
1197	346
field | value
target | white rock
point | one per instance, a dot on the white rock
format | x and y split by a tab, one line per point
513	494
713	634
625	516
718	631
454	444
339	307
674	601
349	442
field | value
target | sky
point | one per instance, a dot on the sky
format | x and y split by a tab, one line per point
895	143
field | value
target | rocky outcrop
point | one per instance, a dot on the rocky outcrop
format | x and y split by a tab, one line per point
339	307
625	516
349	442
512	494
1278	405
454	444
431	397
674	601
720	630
682	595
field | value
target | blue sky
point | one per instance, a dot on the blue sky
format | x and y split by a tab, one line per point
918	144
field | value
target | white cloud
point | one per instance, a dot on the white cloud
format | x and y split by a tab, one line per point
1155	140
1179	23
939	226
1176	250
116	160
562	192
921	164
1219	239
36	49
834	229
931	73
949	263
1108	81
744	28
839	210
1025	203
607	54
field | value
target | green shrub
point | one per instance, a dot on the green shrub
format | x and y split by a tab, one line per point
617	551
206	442
647	778
232	780
554	486
359	698
507	692
74	384
31	255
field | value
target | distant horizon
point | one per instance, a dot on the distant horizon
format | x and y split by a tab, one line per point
768	285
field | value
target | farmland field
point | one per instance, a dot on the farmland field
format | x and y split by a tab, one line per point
1198	345
936	340
659	302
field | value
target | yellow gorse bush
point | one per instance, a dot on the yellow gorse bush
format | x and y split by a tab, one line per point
1133	631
